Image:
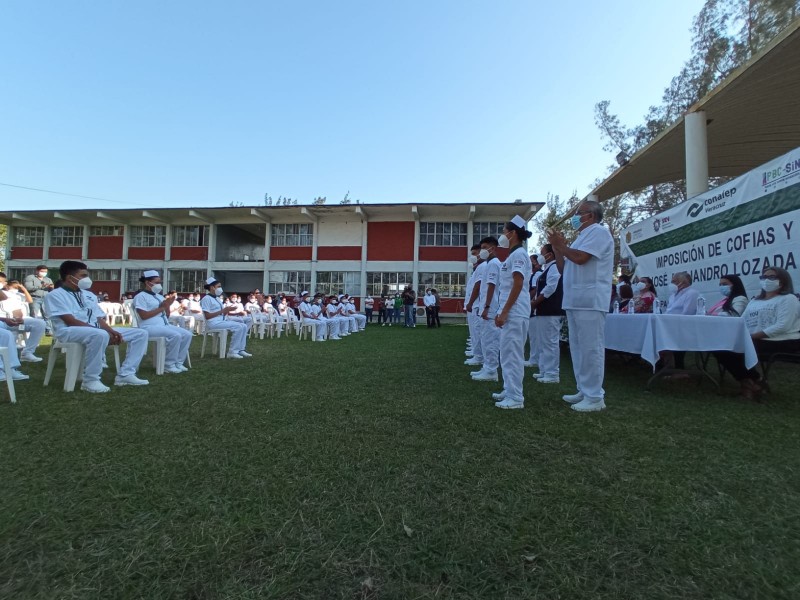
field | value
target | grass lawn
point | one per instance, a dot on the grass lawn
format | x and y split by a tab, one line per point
373	467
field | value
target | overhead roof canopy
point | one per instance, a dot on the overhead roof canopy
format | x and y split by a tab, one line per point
752	117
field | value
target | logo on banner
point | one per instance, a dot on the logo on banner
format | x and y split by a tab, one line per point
771	178
657	225
710	204
695	209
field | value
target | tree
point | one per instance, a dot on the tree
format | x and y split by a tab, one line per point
346	199
319	200
3	242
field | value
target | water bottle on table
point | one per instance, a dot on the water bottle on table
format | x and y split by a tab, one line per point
701	306
616	307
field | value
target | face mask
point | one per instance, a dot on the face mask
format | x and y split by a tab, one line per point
157	288
575	221
503	241
85	283
218	291
725	290
673	289
484	254
473	259
540	259
42	273
770	285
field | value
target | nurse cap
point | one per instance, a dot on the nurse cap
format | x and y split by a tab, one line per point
211	281
150	273
519	222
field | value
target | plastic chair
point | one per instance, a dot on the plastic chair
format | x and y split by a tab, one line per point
75	359
307	326
219	338
6	355
259	323
159	342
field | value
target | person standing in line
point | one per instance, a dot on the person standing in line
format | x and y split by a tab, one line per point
429	302
437	305
398	307
409	299
39	285
488	306
513	318
153	312
473	261
369	305
587	266
533	344
473	308
549	294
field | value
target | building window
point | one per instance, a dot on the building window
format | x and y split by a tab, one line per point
379	283
28	236
486	229
147	236
105	274
442	234
186	280
338	282
66	236
449	285
291	282
132	283
106	230
20	273
293	234
190	235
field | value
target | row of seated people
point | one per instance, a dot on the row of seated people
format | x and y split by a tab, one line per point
19	332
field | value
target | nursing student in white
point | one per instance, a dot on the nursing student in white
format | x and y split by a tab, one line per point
473	261
547	304
350	308
8	340
473	309
13	313
215	315
514	313
153	312
587	267
488	307
77	317
308	314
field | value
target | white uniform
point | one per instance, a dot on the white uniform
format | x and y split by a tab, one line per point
177	318
587	288
477	323
237	329
490	333
515	330
308	314
8	340
82	305
533	335
11	308
239	314
178	339
470	317
332	311
361	320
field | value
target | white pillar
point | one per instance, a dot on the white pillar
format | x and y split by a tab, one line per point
696	153
85	249
267	244
364	233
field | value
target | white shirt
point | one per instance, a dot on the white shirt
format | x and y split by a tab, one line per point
332	310
14	301
429	300
250	306
517	262
588	286
212	304
148	301
491	275
551	284
684	302
778	317
194	306
306	309
80	304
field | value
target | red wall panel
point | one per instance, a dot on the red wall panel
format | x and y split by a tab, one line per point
154	253
189	253
290	253
452	305
339	252
112	288
65	252
27	251
390	240
443	253
105	247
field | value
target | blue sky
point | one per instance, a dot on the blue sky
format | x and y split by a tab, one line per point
203	103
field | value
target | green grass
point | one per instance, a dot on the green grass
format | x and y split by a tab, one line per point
374	468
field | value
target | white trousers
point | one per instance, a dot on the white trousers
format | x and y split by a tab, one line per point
9	340
512	351
471	327
587	347
490	344
361	320
548	336
533	342
238	331
477	336
178	342
95	341
184	321
34	331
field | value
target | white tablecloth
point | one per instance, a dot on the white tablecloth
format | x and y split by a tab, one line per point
649	334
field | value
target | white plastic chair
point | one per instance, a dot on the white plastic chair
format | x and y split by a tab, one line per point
6	354
307	325
75	359
159	342
219	338
259	323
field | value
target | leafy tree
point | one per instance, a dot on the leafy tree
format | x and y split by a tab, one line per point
3	241
319	200
346	199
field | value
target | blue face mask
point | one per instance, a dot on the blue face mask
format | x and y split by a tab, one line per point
575	221
725	290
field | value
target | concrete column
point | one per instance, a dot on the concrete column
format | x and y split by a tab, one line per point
126	242
85	249
267	244
364	233
46	249
314	245
167	245
415	273
470	242
696	153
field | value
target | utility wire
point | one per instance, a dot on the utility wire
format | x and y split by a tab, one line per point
22	187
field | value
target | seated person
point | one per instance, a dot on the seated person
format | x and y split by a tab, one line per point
361	320
238	313
625	297
216	314
682	296
14	313
77	318
734	298
643	303
773	319
153	312
307	313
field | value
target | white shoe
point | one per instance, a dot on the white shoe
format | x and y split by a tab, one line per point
499	395
244	354
469	354
18	375
485	376
509	404
172	369
547	380
94	387
130	380
537	375
473	373
29	357
573	398
589	405
232	355
335	337
181	368
472	362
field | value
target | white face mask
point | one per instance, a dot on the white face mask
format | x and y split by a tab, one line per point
218	291
157	288
473	259
42	273
673	289
484	254
770	285
503	241
85	283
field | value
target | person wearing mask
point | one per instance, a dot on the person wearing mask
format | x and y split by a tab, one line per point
340	323
468	292
428	300
398	307
216	316
682	296
153	312
77	318
734	298
488	307
13	314
350	311
587	267
625	296
379	304
533	343
39	285
308	313
437	305
409	300
773	320
8	339
647	296
369	305
473	309
514	315
547	305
